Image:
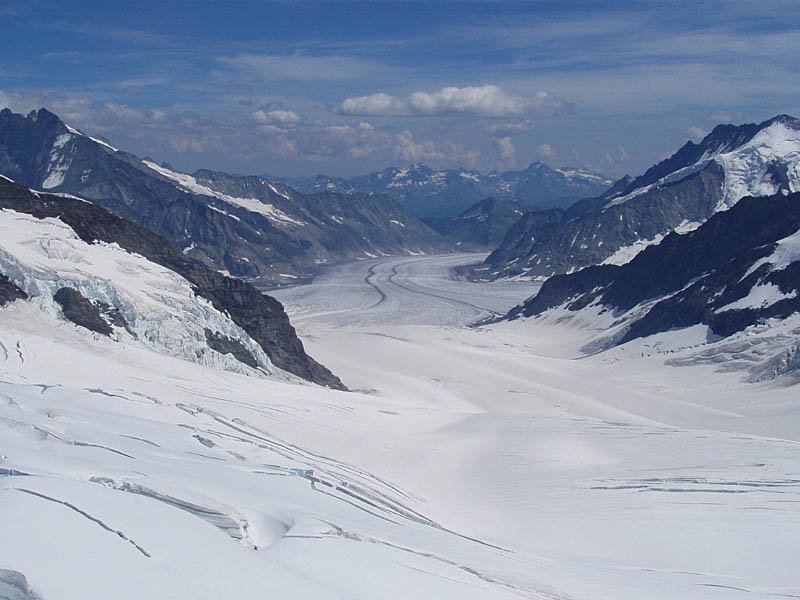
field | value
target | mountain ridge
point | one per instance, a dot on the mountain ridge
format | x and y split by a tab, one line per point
679	193
251	228
481	227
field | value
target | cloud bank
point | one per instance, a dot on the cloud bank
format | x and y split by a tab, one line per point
485	100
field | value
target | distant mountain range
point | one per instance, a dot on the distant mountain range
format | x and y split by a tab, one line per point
249	227
678	194
738	271
426	192
65	256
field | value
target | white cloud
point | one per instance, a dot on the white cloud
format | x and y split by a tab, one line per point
484	100
408	149
616	156
276	116
508	153
508	128
183	143
373	105
546	151
696	133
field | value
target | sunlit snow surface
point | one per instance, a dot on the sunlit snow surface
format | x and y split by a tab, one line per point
190	184
747	168
473	463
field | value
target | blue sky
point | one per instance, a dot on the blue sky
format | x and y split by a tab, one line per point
294	88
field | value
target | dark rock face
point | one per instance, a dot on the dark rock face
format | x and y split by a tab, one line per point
276	230
83	312
687	188
689	278
225	345
10	292
262	317
481	227
552	242
447	193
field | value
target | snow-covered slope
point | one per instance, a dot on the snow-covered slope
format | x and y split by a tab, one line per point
767	164
735	276
680	192
112	277
190	184
478	463
140	475
159	307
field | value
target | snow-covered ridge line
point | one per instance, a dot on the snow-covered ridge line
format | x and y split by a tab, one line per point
746	168
159	306
572	173
190	184
94	139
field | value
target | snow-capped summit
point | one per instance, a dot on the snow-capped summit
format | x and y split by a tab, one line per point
757	160
677	194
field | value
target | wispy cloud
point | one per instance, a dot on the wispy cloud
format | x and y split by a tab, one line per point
508	152
300	67
546	151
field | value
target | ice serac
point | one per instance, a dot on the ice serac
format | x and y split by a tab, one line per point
738	271
249	227
677	194
442	194
14	586
165	293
